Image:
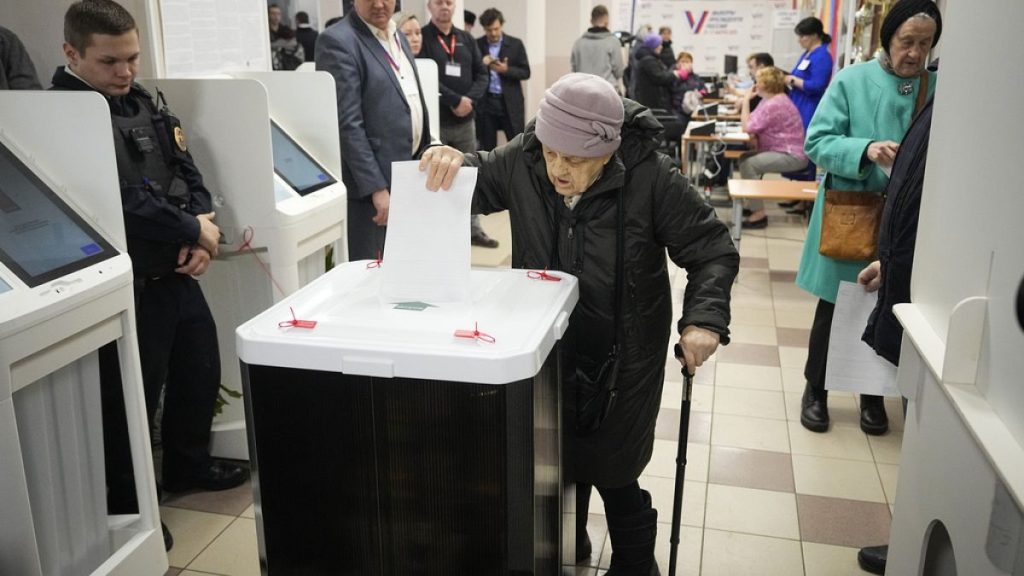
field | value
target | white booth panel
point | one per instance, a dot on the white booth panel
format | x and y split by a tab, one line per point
67	296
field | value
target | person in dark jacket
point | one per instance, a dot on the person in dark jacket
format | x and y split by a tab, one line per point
890	274
653	79
507	64
16	69
586	160
667	54
305	34
168	220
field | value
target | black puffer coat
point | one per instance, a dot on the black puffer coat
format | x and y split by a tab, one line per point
653	80
661	212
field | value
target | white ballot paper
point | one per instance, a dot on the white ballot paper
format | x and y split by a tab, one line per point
852	365
427	250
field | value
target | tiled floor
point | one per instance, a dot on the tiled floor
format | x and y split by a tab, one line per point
762	496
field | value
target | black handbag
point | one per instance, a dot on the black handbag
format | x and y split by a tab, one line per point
597	392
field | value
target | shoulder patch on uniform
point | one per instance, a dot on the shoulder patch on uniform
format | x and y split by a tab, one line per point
179	139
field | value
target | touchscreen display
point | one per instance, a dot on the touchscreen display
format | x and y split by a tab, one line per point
41	237
295	166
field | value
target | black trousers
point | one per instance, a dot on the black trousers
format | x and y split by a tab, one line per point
618	502
179	354
493	116
180	357
817	346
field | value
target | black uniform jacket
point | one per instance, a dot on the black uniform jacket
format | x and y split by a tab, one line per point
661	213
147	216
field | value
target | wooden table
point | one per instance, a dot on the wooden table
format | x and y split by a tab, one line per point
740	190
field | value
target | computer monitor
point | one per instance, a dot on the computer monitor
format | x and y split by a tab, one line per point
41	237
731	64
295	166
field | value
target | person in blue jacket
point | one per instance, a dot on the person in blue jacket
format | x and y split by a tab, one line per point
813	71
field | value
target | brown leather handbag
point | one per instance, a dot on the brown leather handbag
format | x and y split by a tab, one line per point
850	220
849	225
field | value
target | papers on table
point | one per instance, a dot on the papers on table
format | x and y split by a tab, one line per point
427	250
852	365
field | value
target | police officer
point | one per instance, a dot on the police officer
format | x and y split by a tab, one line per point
171	240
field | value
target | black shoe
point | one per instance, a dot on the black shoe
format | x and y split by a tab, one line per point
873	419
747	211
755	224
168	539
789	204
872	558
583	548
217	476
814	409
483	240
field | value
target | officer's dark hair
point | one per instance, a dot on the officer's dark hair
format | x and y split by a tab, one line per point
762	59
88	17
469	17
301	18
490	15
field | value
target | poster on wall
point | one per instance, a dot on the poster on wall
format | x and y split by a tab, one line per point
202	37
712	29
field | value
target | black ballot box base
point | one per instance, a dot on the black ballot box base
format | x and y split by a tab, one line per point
400	476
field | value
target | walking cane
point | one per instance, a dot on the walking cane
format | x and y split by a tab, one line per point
684	432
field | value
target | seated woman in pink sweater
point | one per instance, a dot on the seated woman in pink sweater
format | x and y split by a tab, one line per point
776	133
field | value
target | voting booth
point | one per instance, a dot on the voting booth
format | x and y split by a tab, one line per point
267	145
960	499
65	291
407	437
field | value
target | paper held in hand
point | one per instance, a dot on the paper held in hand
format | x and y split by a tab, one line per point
853	366
427	250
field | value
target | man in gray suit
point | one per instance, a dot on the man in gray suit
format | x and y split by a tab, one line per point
382	116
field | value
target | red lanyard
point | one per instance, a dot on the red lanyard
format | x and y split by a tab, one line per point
387	53
449	51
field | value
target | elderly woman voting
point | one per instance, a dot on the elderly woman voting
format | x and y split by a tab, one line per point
854	136
587	194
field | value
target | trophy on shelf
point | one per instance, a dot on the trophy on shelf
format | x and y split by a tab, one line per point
867	23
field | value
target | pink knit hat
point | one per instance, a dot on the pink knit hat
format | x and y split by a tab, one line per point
580	115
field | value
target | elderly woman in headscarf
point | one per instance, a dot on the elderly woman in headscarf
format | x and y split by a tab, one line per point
854	136
583	177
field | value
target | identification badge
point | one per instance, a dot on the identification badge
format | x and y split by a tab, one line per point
453	69
804	65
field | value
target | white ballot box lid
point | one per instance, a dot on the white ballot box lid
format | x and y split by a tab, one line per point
518	314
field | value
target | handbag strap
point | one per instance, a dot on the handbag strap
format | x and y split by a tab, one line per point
922	94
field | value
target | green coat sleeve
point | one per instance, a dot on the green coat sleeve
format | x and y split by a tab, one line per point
827	144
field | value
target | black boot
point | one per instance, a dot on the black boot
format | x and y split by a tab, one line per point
168	539
873	419
633	538
872	558
584	547
814	409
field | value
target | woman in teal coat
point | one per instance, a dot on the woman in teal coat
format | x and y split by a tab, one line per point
854	137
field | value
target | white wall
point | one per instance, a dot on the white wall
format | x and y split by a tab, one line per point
970	237
40	25
566	21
